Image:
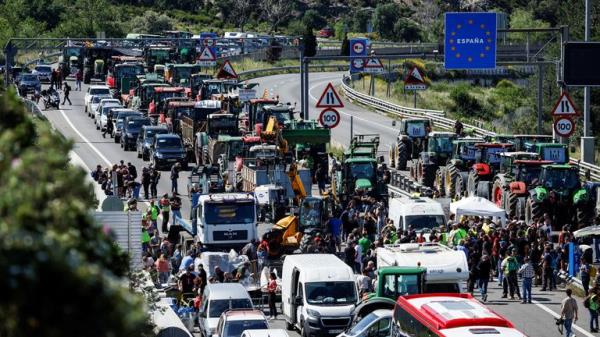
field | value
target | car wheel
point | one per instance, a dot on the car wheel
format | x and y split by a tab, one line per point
303	331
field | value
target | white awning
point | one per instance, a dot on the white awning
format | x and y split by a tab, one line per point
477	206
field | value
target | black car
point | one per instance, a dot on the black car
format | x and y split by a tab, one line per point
146	138
119	115
29	83
166	150
132	126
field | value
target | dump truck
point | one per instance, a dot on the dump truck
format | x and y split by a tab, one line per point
411	141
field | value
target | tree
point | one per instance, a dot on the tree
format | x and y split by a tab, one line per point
313	20
276	12
310	43
151	23
384	18
62	274
522	18
407	30
345	46
240	12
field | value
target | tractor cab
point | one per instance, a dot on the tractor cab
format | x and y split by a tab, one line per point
255	109
439	146
522	142
464	151
159	95
555	152
560	177
283	113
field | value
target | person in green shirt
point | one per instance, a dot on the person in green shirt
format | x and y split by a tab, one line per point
364	243
593	306
145	239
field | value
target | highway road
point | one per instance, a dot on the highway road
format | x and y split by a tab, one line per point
91	149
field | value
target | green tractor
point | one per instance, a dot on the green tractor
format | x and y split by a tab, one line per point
555	152
437	153
559	193
450	180
481	174
411	141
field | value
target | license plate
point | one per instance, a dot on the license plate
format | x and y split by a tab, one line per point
172	159
336	331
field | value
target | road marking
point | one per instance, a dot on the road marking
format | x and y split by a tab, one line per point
345	113
85	140
555	315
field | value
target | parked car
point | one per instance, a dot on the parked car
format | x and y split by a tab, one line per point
131	129
167	150
326	32
95	90
101	115
43	72
375	324
105	102
29	83
233	322
94	102
217	297
119	115
265	333
145	139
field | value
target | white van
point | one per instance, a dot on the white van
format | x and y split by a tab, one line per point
420	213
447	269
218	298
318	293
265	333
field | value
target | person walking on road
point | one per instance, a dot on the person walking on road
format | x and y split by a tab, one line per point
165	209
146	182
175	207
154	178
568	312
510	266
272	291
592	303
66	91
483	277
527	273
154	212
109	125
174	176
78	79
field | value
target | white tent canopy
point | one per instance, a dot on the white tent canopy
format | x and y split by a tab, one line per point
477	206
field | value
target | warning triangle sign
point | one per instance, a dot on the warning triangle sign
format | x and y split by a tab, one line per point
564	106
373	62
329	98
414	77
227	71
207	55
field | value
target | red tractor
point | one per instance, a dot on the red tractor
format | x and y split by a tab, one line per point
487	163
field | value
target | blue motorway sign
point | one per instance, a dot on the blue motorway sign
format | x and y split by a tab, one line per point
470	41
358	47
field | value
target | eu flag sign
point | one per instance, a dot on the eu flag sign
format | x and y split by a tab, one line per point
470	41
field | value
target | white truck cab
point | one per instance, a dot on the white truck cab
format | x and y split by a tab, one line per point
226	220
423	214
319	294
447	269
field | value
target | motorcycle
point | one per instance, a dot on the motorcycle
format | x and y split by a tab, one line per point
51	99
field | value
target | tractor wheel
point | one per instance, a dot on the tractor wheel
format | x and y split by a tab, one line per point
429	175
402	157
472	183
498	193
438	184
412	170
483	190
533	210
585	215
461	185
450	181
521	201
392	155
510	205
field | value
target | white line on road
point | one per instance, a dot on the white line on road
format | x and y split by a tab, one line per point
85	140
554	314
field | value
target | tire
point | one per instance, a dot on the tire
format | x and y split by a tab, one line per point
438	183
392	156
483	190
472	183
497	196
402	158
139	155
116	139
97	127
521	201
303	331
429	175
289	326
450	181
584	215
510	204
460	185
533	209
412	170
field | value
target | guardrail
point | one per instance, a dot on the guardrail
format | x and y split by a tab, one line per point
264	71
585	170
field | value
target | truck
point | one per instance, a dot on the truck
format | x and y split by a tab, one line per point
194	122
410	142
447	269
419	213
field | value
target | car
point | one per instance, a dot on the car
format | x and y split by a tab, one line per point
265	333
376	324
105	102
29	83
131	129
326	32
233	322
217	297
145	139
166	150
101	115
119	115
94	102
95	90
43	72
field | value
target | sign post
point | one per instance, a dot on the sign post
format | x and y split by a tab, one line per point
470	41
414	81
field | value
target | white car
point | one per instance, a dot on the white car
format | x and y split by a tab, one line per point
233	322
376	324
218	298
94	102
43	72
101	113
94	90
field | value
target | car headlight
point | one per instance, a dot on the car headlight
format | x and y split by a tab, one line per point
313	313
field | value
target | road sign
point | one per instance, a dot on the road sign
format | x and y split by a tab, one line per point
414	80
246	94
564	106
373	65
226	71
358	47
329	118
207	58
209	40
330	98
564	126
470	41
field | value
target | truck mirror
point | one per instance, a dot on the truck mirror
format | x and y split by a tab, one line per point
393	123
298	300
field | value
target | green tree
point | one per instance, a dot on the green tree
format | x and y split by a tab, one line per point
313	20
522	18
151	23
310	43
62	274
407	30
384	18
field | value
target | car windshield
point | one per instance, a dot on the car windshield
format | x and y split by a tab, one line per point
235	328
99	91
217	307
363	324
527	173
228	213
97	99
310	213
282	116
493	154
330	293
29	78
136	124
151	132
415	129
424	222
170	142
362	170
440	144
561	178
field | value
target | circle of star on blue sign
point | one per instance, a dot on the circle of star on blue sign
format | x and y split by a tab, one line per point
470	40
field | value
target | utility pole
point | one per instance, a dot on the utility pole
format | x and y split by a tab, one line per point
587	141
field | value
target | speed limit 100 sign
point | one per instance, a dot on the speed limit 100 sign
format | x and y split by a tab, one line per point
564	126
329	118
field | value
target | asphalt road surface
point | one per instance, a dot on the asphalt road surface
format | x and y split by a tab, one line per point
91	149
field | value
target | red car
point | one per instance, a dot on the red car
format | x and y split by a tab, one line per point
326	32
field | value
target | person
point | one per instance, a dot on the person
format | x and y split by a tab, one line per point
154	178
146	182
195	199
109	125
66	91
187	261
174	176
335	228
186	281
162	267
321	178
154	211
175	207
547	270
593	304
458	128
584	273
568	312
510	266
364	242
250	250
364	282
484	267
527	273
350	254
78	79
165	209
272	291
132	171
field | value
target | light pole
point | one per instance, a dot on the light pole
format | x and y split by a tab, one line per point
587	141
